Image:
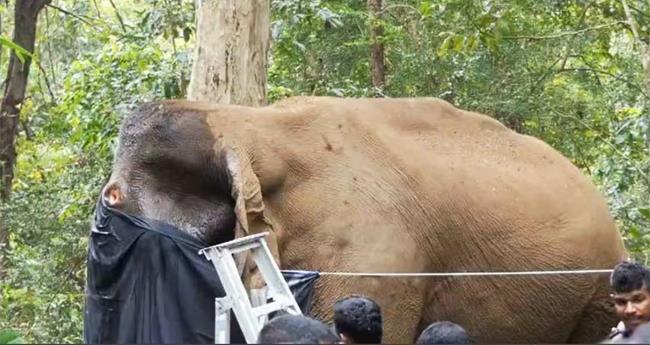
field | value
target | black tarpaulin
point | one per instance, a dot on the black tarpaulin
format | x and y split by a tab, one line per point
301	284
146	283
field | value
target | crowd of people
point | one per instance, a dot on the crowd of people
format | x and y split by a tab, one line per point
358	319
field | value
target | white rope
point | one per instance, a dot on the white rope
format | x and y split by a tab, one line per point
463	274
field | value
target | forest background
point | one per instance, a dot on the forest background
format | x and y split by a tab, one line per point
569	72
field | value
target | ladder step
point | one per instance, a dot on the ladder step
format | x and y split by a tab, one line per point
243	247
266	309
242	241
251	319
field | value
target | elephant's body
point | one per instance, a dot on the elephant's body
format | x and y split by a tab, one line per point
407	185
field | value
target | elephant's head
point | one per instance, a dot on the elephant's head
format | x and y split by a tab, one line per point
170	166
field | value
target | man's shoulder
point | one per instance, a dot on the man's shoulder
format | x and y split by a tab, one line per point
618	332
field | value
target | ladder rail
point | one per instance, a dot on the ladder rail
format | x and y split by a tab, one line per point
251	318
222	308
275	282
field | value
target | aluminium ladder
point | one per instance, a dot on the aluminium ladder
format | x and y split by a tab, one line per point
251	318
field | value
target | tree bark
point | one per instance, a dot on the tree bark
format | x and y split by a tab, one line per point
1	50
377	46
25	17
230	59
25	14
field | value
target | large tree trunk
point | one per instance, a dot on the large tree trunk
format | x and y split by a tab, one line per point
230	59
25	16
377	46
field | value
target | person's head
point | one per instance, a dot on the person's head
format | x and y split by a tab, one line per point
357	320
443	332
296	329
631	283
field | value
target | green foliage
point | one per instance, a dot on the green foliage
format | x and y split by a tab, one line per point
566	72
319	48
64	158
10	337
21	52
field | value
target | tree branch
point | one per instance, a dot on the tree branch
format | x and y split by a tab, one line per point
119	17
638	11
28	131
49	45
630	20
47	80
84	20
390	7
41	3
605	141
594	70
562	34
538	83
80	17
99	15
570	41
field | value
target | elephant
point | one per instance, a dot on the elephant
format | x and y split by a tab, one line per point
404	185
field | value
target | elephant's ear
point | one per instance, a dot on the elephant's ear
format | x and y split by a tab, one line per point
245	189
249	204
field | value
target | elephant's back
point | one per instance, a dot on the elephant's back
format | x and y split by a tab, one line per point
448	155
514	187
471	194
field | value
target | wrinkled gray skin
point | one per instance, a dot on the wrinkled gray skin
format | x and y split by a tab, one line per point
179	182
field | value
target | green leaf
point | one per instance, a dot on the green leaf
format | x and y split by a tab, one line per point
20	51
489	42
645	212
425	9
300	46
444	47
458	43
486	20
10	337
471	43
634	232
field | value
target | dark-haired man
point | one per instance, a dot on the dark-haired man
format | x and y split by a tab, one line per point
443	332
296	329
357	320
631	284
